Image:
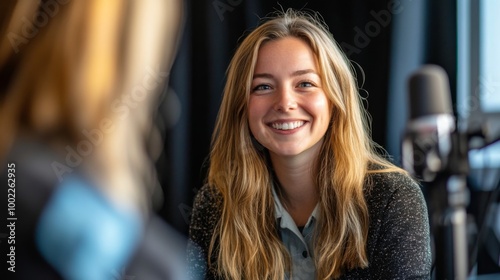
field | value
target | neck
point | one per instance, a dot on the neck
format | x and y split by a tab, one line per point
298	192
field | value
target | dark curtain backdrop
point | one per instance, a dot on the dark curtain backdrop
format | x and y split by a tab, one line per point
425	32
211	34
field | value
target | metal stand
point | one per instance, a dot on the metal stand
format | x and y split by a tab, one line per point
449	199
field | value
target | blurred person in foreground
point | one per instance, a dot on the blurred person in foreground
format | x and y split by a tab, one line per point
79	81
296	189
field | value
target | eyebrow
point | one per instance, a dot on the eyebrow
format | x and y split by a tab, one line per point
303	72
294	74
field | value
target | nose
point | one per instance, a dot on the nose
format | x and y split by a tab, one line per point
285	100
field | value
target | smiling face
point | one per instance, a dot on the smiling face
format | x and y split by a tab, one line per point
288	111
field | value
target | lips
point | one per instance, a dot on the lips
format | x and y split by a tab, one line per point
287	125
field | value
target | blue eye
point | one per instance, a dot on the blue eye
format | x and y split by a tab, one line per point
306	84
261	87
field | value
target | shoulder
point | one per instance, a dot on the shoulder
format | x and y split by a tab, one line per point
399	236
208	197
207	208
393	196
388	184
395	199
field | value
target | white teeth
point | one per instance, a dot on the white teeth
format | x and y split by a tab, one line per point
287	126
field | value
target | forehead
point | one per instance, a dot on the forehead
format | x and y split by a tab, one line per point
285	54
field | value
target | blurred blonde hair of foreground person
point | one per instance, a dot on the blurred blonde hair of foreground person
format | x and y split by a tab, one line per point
80	67
81	78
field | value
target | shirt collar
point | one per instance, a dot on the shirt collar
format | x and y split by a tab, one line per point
284	217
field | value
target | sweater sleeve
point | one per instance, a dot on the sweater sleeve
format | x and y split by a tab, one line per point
402	249
205	216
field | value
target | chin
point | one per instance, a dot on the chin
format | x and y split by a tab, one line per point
286	153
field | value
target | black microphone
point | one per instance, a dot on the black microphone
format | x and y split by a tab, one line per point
427	143
434	151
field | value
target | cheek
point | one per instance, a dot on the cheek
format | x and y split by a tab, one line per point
255	115
322	107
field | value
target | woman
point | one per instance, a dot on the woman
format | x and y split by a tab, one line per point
80	80
295	188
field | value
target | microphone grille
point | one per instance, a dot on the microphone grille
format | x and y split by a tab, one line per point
429	92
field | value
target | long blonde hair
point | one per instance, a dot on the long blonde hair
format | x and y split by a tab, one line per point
249	247
68	66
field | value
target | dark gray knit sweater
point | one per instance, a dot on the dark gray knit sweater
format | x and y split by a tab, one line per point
398	244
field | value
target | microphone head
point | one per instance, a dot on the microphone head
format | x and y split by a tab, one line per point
429	92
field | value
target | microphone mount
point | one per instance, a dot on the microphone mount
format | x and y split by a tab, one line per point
436	152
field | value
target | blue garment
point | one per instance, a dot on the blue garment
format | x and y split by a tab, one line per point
83	236
68	229
299	244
